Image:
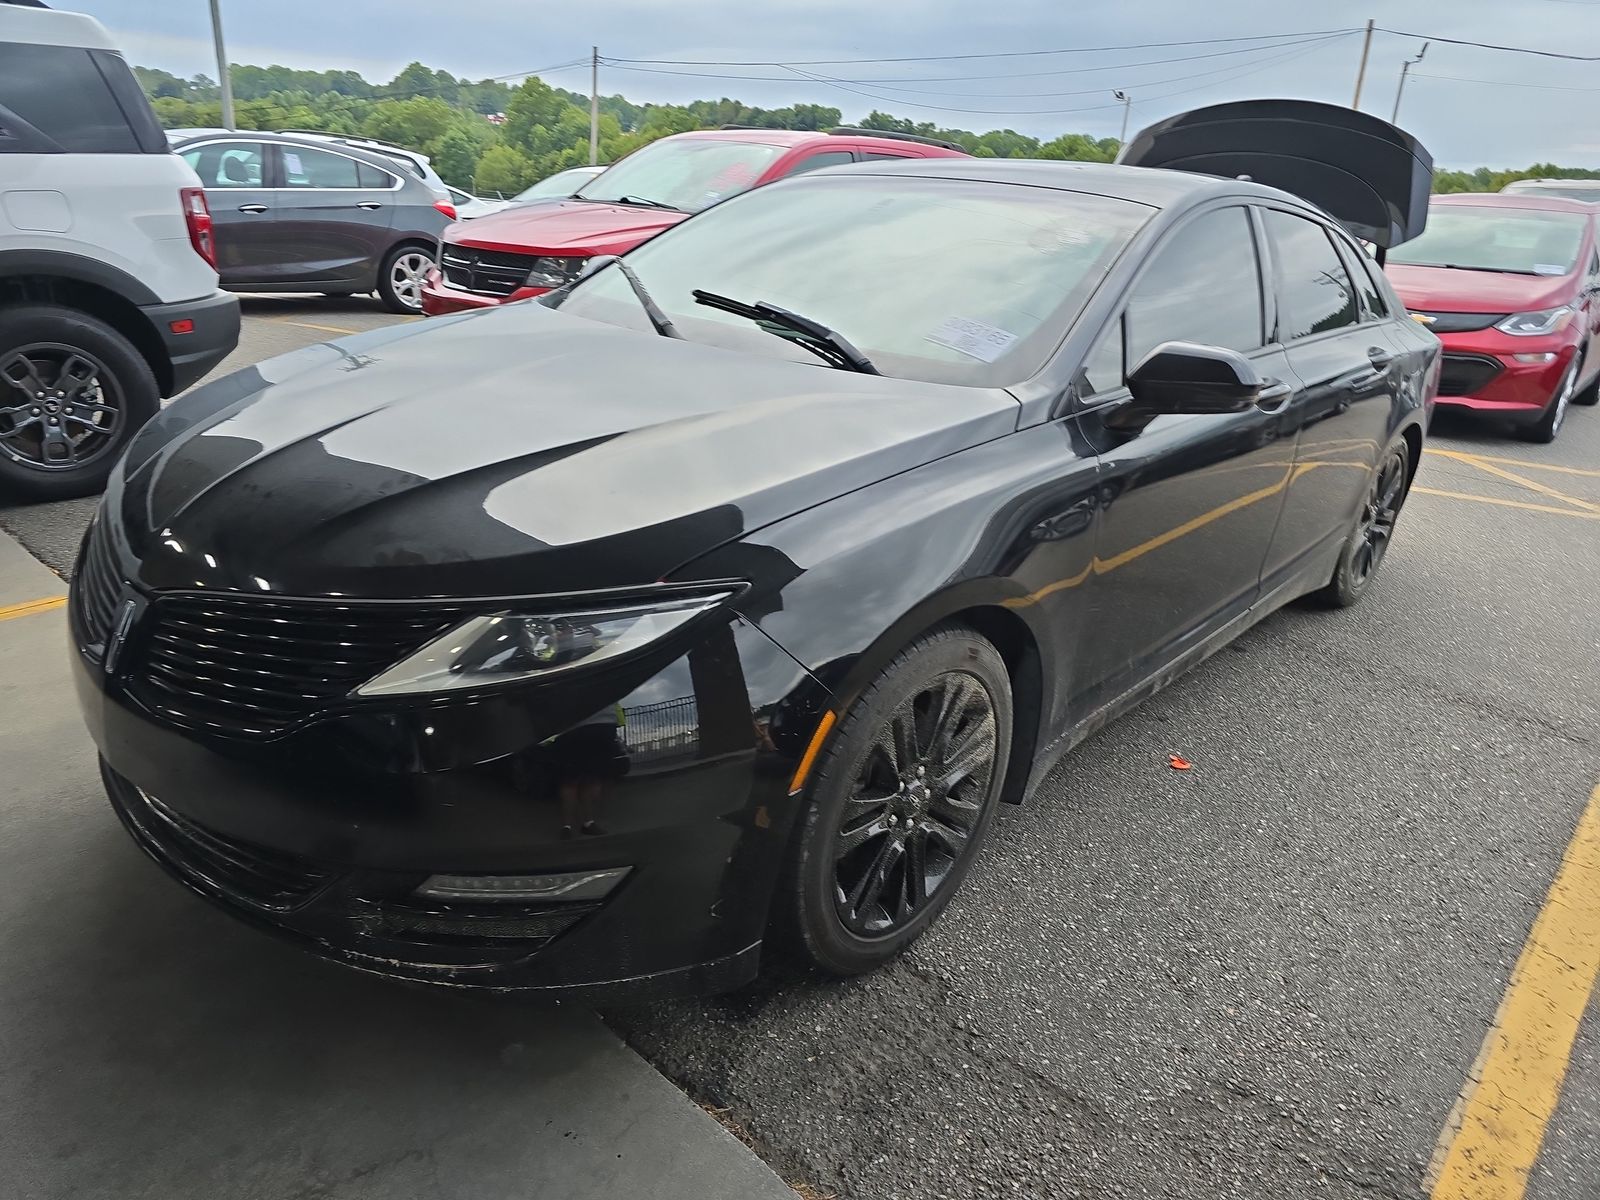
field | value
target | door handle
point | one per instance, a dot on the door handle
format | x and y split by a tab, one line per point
253	208
369	203
1064	524
1379	357
1274	396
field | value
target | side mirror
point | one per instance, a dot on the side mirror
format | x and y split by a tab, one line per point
1182	377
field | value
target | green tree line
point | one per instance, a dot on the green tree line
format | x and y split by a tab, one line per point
546	129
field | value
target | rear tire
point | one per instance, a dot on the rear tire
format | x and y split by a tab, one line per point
1368	543
898	804
1548	427
73	392
400	277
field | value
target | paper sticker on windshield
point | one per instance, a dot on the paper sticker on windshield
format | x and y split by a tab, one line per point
972	338
1549	269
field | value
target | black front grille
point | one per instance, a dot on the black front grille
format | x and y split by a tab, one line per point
1450	322
1464	374
260	876
487	272
96	586
253	668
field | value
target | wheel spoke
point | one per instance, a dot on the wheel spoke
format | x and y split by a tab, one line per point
21	372
967	754
869	889
56	447
853	837
903	739
914	883
953	836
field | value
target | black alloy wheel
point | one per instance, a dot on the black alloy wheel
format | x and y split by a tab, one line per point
72	392
900	802
1369	541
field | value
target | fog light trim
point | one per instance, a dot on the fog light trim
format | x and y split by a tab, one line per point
1535	358
522	889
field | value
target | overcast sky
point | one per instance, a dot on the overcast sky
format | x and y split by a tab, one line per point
1499	109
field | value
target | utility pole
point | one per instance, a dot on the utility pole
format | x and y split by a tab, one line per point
594	105
222	65
1361	72
1405	68
1127	107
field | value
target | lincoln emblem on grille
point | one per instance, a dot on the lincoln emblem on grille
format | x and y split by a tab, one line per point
119	634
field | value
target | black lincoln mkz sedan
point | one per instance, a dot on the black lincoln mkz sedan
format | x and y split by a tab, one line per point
593	645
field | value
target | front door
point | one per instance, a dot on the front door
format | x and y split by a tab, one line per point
1333	322
235	177
334	215
1187	503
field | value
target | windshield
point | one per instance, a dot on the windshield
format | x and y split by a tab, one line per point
688	173
562	183
944	280
1519	241
1589	192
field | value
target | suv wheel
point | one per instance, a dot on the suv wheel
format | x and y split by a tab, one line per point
73	392
400	278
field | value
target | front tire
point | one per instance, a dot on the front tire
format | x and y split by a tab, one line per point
1548	427
73	392
899	803
1368	543
400	277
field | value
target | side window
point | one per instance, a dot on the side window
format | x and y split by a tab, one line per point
61	94
304	167
372	177
1102	370
1373	305
227	164
828	158
1317	293
1203	285
870	155
1594	263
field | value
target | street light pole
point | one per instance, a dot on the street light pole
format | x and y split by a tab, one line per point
1127	108
1405	69
1361	71
222	65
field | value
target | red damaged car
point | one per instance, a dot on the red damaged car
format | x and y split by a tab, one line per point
1510	283
524	251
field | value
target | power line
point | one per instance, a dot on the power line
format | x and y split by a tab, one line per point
890	83
1433	37
1543	87
827	62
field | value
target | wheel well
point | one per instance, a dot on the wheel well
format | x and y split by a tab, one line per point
117	312
1010	635
1413	437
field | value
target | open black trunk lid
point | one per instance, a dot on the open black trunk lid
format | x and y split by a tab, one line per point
1371	177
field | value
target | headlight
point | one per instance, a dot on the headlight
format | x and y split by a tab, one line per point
1534	324
552	272
508	646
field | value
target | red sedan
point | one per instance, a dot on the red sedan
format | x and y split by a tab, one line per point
1511	285
526	250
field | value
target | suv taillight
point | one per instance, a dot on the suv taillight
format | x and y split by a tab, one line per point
197	215
446	208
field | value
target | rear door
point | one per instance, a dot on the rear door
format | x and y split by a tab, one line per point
235	175
1333	323
334	214
1187	503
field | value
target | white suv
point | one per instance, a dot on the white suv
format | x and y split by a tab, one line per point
108	288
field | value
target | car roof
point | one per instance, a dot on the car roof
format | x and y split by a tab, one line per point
367	154
49	27
1151	186
790	138
1516	200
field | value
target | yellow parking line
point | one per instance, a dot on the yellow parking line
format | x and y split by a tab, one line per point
1522	504
28	607
1518	462
309	325
1494	1134
1533	485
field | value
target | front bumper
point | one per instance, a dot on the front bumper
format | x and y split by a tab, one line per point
1483	374
323	834
440	299
213	333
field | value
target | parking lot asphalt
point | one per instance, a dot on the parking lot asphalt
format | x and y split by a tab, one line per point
1277	974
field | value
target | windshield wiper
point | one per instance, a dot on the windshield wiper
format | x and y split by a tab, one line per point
644	203
827	345
663	323
1465	267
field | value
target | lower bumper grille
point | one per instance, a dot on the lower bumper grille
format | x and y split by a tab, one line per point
1464	374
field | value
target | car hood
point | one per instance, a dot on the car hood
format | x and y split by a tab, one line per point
565	227
1445	289
516	451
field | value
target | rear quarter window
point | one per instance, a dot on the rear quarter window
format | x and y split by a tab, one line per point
59	99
